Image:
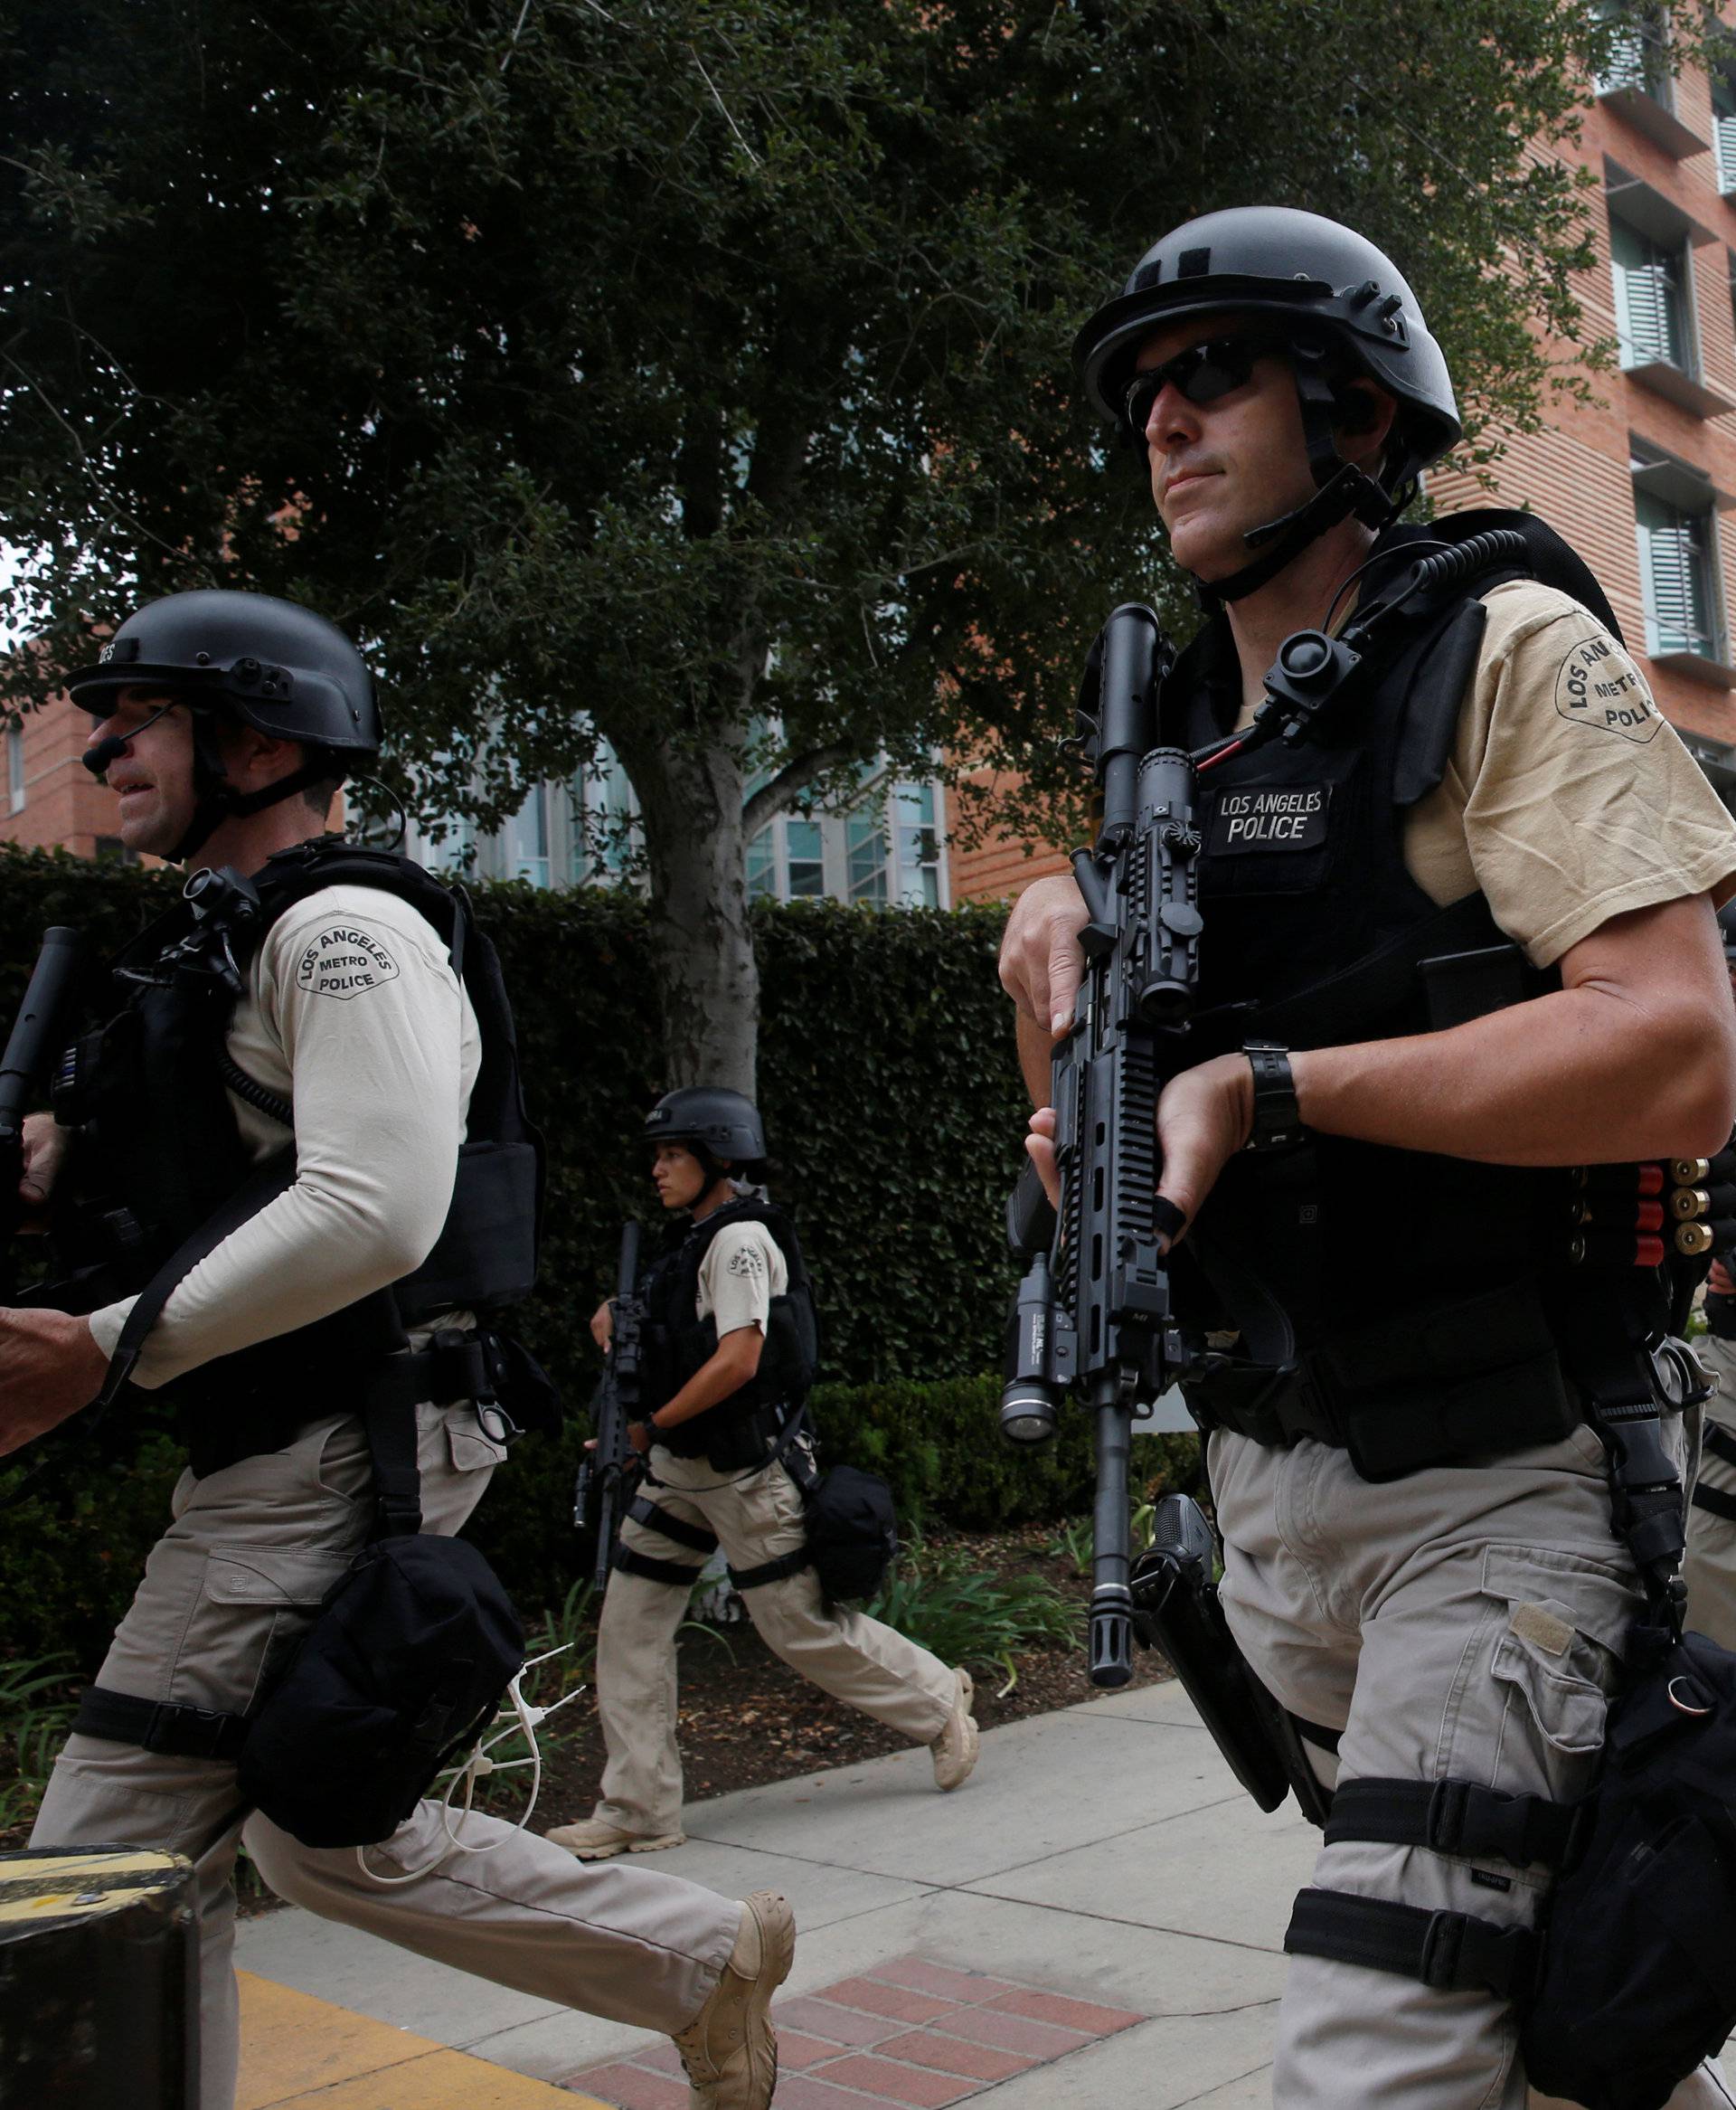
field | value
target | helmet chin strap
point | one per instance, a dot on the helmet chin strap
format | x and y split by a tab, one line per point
1341	490
217	800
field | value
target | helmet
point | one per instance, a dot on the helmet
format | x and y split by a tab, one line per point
1312	275
724	1124
285	670
1338	301
1727	931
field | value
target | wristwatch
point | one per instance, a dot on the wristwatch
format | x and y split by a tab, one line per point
1277	1121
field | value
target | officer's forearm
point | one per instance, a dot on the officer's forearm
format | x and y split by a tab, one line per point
736	1361
1573	1078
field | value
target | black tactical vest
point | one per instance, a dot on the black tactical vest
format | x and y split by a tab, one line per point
1398	1270
157	1153
677	1343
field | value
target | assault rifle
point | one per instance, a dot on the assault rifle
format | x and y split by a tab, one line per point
1093	1311
38	1037
1092	1315
610	1467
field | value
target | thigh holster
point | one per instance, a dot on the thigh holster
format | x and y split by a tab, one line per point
1450	1951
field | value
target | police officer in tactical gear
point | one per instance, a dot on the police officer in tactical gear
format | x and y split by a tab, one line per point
1473	920
335	1013
1709	1567
728	1353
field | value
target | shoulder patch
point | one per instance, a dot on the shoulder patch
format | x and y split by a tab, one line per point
748	1260
342	960
1598	685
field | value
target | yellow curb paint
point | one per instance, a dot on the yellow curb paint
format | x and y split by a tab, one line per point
299	2053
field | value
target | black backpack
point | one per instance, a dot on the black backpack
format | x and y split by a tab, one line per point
1637	1980
405	1666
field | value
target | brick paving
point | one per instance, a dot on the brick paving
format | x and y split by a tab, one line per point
910	2032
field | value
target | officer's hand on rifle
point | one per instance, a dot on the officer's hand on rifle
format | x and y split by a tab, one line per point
45	1151
602	1324
1041	960
1719	1283
50	1368
1204	1116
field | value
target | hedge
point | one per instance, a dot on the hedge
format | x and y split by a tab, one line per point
893	1100
888	1084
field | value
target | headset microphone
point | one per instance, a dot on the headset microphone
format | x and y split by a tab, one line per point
97	758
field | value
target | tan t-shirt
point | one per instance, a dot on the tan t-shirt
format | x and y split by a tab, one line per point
352	1013
743	1271
1568	798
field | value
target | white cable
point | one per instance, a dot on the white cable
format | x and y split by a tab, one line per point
525	1721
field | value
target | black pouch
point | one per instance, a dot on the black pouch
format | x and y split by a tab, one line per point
1638	1982
405	1665
741	1440
852	1530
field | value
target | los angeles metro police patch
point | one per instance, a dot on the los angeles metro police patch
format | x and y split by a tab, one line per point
1598	685
1278	817
344	961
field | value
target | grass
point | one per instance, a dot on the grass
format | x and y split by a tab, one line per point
35	1714
964	1614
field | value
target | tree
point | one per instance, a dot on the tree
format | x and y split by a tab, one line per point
690	373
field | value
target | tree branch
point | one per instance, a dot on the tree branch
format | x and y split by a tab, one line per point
790	782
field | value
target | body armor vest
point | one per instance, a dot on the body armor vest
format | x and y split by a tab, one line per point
157	1156
677	1343
1411	1280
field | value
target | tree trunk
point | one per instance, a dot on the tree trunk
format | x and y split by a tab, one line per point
708	981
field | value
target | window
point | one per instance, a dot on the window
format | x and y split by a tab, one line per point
525	838
16	764
919	845
1639	56
1678	579
604	831
865	858
762	864
803	861
1723	129
1651	315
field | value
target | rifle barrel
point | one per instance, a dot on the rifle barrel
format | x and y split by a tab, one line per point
33	1043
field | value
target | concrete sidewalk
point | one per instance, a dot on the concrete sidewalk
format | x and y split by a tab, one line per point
1106	1905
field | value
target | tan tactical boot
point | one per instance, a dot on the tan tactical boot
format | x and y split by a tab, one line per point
729	2048
594	1840
954	1748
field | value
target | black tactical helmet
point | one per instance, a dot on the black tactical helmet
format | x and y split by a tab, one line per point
285	671
1727	931
1310	275
724	1124
1337	302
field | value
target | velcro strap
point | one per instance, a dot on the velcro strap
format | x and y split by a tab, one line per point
1449	1951
1453	1816
771	1571
177	1732
1719	1442
1715	1500
654	1517
682	1573
456	1366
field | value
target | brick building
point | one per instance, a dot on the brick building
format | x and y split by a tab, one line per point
1642	481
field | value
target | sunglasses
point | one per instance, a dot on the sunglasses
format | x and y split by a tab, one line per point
1201	375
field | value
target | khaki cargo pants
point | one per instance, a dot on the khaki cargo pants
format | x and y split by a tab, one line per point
227	1589
1461	1622
756	1518
1710	1569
